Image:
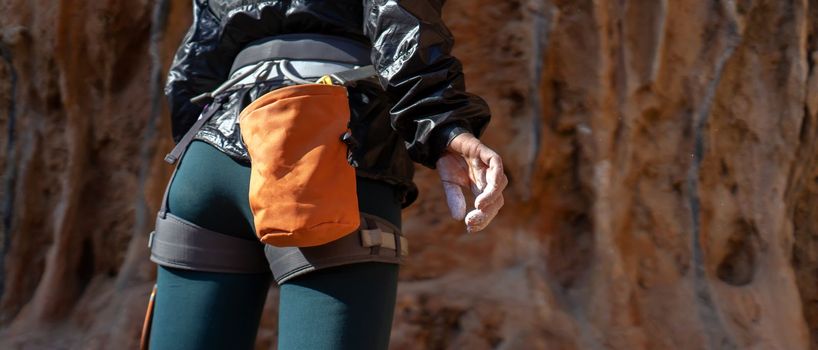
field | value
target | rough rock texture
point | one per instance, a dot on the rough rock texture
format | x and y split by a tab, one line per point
663	157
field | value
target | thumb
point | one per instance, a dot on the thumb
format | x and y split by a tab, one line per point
455	199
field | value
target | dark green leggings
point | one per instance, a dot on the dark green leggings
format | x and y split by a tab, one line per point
345	307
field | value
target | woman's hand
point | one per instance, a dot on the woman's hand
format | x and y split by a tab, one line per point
468	163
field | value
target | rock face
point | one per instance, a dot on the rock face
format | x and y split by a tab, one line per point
663	158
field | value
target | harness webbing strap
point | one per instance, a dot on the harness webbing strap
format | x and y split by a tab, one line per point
352	75
185	245
180	147
373	238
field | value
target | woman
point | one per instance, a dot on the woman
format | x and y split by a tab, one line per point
212	276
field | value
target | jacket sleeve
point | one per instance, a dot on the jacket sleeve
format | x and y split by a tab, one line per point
195	69
412	54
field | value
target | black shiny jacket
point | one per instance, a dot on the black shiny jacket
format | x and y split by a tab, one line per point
424	104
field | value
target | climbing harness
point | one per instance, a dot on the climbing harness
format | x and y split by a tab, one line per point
309	57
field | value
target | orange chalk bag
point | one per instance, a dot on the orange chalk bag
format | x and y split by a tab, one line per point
302	187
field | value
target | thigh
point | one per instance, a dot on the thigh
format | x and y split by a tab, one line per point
207	310
345	307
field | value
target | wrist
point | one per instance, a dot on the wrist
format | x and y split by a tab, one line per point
441	138
454	132
458	142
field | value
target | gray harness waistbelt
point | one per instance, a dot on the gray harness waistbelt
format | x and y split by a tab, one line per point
303	47
182	244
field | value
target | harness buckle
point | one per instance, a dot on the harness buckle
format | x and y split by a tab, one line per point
150	239
375	237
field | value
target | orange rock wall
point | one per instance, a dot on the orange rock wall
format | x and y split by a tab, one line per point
663	157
